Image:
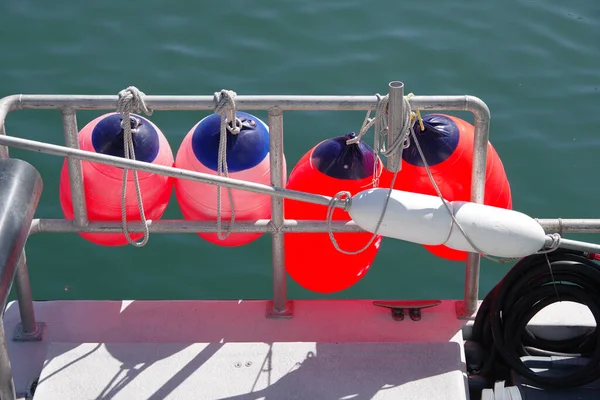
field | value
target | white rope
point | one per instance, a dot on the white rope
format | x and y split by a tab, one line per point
225	107
381	130
132	99
403	139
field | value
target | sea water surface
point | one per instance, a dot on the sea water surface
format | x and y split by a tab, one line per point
536	63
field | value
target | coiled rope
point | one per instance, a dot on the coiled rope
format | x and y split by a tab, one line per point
132	99
534	283
225	107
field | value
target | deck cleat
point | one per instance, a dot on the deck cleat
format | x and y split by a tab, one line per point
414	308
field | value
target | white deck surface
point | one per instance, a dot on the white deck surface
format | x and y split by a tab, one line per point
299	370
190	350
229	350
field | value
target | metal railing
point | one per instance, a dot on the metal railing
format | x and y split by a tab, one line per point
20	190
277	225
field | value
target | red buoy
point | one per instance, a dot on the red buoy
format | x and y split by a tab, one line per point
248	159
310	258
447	143
103	183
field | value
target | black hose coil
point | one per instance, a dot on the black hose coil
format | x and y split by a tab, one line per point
531	285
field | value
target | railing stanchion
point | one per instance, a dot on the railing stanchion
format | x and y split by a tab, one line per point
7	388
5	108
395	115
21	187
280	307
71	134
28	330
482	135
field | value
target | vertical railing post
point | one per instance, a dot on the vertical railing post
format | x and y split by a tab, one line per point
21	186
4	110
7	385
28	330
395	115
3	149
279	307
480	145
71	134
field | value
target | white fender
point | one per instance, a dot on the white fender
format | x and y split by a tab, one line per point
409	216
424	219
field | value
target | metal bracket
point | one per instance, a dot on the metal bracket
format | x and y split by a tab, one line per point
287	313
22	336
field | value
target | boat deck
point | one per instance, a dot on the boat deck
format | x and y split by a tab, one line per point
230	350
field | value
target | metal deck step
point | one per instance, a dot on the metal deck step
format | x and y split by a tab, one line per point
280	370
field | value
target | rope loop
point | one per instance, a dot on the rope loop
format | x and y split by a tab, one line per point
225	107
132	99
380	122
404	139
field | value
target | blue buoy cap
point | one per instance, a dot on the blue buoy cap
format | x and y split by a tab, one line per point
339	160
107	137
438	141
245	150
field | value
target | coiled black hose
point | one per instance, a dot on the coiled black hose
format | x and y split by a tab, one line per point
532	284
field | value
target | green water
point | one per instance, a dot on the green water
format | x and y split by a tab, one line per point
535	63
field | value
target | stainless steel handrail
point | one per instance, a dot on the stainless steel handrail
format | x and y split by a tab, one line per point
21	186
275	105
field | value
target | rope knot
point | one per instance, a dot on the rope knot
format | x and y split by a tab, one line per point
554	243
225	107
381	131
132	99
380	111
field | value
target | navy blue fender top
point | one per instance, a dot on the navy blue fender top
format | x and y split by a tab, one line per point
107	137
334	158
245	150
438	141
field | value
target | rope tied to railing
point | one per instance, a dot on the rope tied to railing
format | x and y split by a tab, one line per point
381	131
225	107
132	99
555	238
403	139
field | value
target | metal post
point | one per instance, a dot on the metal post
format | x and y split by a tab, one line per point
7	385
5	107
395	113
279	307
482	134
69	119
28	330
21	187
3	149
